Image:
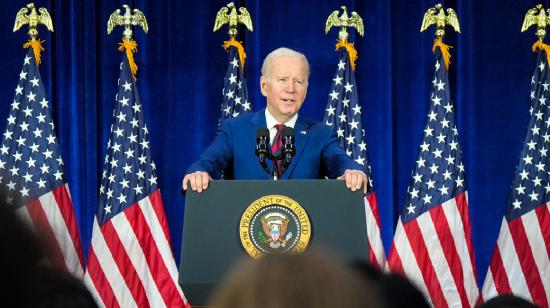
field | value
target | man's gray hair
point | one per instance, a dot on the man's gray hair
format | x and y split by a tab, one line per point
282	52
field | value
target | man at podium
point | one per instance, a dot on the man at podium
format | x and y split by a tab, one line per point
315	150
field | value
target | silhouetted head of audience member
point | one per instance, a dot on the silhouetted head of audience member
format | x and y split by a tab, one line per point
309	279
28	279
397	291
507	301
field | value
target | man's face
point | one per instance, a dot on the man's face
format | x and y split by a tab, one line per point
285	87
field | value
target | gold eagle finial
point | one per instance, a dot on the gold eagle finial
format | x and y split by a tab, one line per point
436	15
537	16
127	20
33	19
343	21
232	19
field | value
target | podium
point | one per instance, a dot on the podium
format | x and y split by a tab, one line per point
211	230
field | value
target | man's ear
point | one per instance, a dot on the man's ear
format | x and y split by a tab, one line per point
263	85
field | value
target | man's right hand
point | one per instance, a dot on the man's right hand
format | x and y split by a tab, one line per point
197	180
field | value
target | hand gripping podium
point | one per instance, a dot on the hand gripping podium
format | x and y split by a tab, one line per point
216	221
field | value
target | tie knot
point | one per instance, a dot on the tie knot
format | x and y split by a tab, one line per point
280	127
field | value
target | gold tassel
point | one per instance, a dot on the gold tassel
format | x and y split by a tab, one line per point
351	51
444	51
37	48
240	49
131	47
541	46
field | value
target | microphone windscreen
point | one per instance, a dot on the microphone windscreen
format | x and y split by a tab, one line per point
288	132
262	132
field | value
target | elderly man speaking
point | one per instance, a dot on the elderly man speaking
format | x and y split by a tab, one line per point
318	154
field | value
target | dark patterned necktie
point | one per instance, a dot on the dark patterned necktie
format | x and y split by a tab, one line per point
276	147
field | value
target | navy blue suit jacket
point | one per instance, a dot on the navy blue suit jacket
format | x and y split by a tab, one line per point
318	151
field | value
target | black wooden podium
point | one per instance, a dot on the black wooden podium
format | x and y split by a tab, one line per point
211	242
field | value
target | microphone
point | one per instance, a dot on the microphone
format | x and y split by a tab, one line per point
262	140
288	146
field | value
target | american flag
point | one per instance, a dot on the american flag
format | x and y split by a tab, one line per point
432	242
130	262
235	93
520	262
31	171
343	112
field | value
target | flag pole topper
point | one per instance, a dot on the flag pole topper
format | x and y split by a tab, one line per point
232	19
344	21
436	16
127	20
540	17
33	20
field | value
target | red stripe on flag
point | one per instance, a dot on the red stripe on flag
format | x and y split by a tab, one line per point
373	202
502	285
159	272
156	202
45	232
124	264
101	284
422	256
543	216
66	208
394	261
527	261
450	251
462	205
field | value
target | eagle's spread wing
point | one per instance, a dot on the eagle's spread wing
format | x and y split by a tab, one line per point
530	19
245	18
358	22
265	227
452	19
138	19
114	20
20	19
429	19
332	20
45	18
284	226
221	18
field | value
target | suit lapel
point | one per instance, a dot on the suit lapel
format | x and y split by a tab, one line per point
301	135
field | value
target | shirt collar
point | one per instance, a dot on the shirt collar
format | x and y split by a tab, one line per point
271	122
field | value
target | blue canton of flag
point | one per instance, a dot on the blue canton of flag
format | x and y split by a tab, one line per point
30	162
439	173
520	263
343	113
235	93
129	171
31	171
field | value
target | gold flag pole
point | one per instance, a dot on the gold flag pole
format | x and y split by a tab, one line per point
33	20
344	21
540	17
127	20
436	16
232	19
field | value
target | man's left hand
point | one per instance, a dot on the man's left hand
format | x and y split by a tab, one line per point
355	179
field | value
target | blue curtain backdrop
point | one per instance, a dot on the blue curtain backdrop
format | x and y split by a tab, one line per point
181	67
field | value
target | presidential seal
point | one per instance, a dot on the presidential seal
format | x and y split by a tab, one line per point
274	224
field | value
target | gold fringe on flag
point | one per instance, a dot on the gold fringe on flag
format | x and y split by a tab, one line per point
37	48
444	51
541	46
240	49
131	47
351	51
